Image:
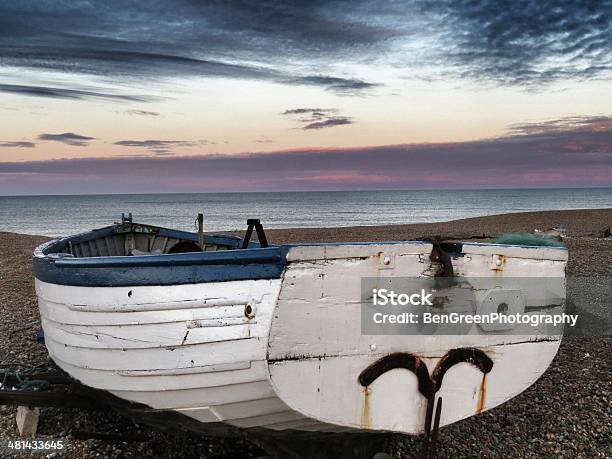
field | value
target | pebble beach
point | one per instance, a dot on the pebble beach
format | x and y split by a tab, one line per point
566	413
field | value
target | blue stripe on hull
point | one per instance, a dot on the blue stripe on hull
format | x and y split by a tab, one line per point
174	269
166	269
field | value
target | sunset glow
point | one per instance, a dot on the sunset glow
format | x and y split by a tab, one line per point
330	96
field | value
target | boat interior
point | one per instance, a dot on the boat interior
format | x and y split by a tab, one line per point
134	239
127	238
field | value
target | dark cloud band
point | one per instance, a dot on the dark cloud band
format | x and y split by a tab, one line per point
580	154
62	93
525	42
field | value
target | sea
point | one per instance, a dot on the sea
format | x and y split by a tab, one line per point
65	215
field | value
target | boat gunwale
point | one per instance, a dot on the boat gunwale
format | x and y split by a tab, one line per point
235	263
234	242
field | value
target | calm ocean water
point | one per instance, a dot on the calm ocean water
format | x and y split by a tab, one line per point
64	215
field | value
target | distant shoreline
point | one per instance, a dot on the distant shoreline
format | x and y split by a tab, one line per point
302	191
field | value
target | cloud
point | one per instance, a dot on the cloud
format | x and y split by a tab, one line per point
162	40
154	143
142	113
308	111
69	138
571	124
329	122
17	144
343	86
318	118
527	43
162	147
580	154
62	93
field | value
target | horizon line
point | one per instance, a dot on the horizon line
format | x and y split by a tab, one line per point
314	191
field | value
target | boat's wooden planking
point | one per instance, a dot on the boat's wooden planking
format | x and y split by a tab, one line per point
192	348
122	244
126	244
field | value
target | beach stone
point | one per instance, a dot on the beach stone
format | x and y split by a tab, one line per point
27	421
571	400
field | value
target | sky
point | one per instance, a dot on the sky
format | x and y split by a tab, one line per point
179	95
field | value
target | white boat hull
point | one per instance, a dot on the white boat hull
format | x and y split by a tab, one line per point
286	353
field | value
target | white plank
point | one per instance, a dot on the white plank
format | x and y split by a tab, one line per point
150	298
147	335
163	380
59	312
209	396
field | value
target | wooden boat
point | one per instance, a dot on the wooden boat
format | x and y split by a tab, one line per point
271	337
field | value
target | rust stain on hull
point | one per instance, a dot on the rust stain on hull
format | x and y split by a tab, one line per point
482	395
365	409
398	360
428	385
498	268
